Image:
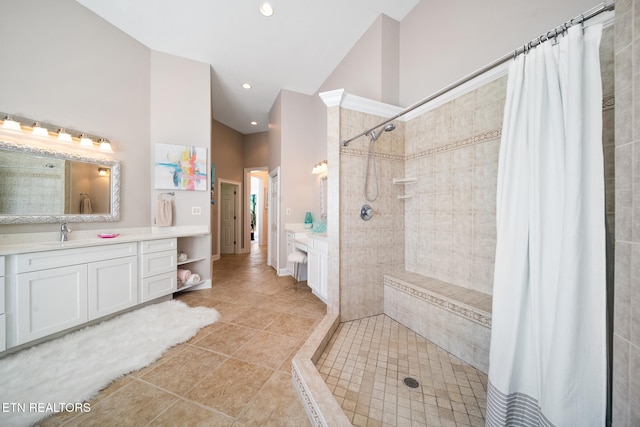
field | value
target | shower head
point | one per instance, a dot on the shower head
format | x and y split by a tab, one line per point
387	128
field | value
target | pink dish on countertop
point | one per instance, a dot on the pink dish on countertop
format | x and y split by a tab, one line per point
108	235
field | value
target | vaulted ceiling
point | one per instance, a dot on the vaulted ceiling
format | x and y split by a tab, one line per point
296	48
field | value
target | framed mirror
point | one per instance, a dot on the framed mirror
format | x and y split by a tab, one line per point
39	185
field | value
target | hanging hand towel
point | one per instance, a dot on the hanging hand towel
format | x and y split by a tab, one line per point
85	206
165	213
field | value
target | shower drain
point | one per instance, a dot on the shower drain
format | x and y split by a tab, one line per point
411	382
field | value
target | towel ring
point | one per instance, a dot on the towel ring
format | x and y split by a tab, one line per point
171	194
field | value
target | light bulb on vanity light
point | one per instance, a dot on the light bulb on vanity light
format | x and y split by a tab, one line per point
10	123
85	141
39	130
64	136
105	146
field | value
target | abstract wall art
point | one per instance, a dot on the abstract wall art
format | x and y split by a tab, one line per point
180	167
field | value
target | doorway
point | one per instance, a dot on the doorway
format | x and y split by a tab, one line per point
256	214
228	216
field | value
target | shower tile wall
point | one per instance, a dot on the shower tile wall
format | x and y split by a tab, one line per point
453	151
369	248
626	339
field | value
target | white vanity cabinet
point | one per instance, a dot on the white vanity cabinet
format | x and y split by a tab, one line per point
158	264
3	315
55	290
317	262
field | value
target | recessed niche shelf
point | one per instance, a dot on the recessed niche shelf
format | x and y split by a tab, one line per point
405	181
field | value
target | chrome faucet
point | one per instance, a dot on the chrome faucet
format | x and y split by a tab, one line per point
64	230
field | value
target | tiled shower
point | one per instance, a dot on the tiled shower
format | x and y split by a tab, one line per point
443	224
445	227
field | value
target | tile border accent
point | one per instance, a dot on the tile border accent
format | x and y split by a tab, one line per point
307	401
456	307
365	153
608	102
321	406
476	139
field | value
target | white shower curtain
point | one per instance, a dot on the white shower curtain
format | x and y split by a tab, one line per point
548	342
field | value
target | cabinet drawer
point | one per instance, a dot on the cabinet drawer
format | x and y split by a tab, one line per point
158	286
59	258
158	263
160	245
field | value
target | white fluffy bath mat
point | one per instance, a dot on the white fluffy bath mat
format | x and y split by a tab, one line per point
71	369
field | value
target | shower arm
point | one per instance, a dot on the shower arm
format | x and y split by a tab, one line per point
603	7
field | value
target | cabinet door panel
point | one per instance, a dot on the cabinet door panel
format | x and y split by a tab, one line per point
2	308
50	301
313	264
323	291
3	332
112	286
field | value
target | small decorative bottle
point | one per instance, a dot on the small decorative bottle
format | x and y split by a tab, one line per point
308	221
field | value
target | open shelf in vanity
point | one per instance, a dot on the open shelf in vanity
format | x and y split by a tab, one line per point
195	247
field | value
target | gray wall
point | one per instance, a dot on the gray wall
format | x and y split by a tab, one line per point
73	69
99	83
181	115
441	42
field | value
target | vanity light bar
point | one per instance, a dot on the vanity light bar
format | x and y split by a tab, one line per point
45	130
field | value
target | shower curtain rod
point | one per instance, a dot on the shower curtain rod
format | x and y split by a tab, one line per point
603	7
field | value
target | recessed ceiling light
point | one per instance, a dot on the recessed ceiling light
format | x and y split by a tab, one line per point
254	123
246	85
266	9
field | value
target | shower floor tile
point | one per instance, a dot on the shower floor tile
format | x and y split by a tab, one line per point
367	360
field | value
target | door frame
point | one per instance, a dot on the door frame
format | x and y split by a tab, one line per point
238	208
247	194
273	243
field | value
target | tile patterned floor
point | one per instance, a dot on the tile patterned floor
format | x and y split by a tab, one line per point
236	372
364	366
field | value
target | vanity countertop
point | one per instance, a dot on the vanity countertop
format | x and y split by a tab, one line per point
39	242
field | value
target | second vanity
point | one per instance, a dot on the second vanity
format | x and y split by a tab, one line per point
51	287
316	247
